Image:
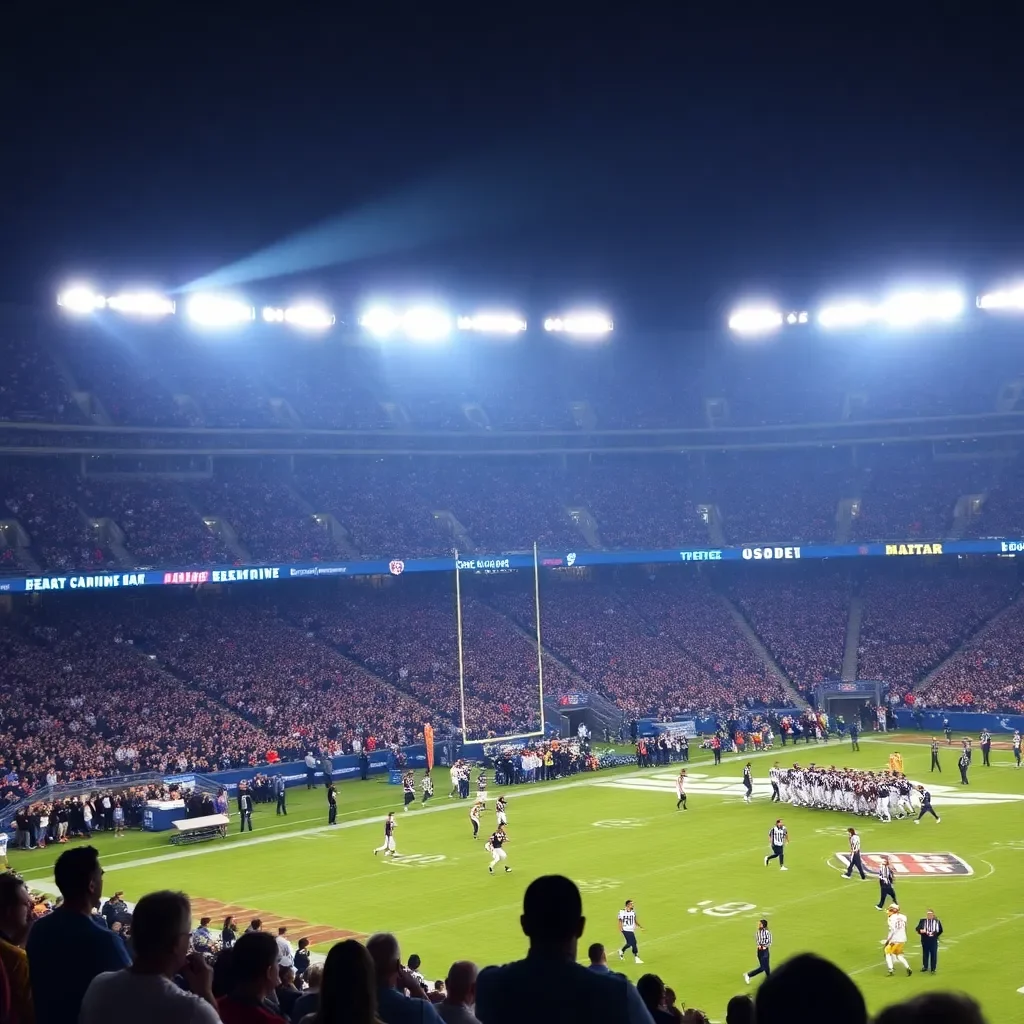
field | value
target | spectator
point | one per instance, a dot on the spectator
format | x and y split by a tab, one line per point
308	1002
933	1008
553	921
394	1006
652	992
285	956
301	963
739	1010
228	933
674	1011
161	926
598	959
348	992
796	992
253	978
460	994
68	948
287	993
15	921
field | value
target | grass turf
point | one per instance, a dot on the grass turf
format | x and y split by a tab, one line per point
697	877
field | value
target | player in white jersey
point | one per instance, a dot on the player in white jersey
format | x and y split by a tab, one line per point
453	774
896	939
3	850
388	846
681	789
628	925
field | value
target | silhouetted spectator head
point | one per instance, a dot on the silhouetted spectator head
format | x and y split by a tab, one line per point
461	983
596	953
652	992
161	928
383	948
933	1008
739	1010
553	913
79	878
348	989
254	971
797	990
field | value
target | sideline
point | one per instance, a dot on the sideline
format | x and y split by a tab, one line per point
46	884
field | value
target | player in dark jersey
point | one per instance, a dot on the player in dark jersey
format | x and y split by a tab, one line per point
495	846
748	784
388	846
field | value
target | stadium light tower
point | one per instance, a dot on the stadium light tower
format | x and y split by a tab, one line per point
308	316
845	313
219	311
581	324
913	308
150	305
493	323
754	320
380	321
1009	300
80	300
427	324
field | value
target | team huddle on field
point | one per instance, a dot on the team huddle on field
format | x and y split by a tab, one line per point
883	794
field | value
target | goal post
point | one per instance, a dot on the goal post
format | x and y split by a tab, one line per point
516	633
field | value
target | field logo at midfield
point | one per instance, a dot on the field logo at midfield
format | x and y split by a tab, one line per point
598	884
396	567
415	860
914	865
618	823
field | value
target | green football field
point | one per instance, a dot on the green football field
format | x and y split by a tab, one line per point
697	877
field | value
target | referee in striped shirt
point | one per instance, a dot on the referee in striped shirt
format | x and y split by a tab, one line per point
778	836
763	938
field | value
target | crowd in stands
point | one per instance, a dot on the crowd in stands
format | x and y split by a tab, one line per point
181	682
92	961
801	618
911	623
986	673
349	508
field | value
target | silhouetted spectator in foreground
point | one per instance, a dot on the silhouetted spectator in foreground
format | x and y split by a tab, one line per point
933	1008
549	977
796	992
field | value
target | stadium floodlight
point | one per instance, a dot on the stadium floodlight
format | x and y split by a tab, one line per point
582	325
380	321
426	323
218	310
752	320
796	317
1009	299
309	316
80	300
912	308
848	313
145	304
493	323
273	315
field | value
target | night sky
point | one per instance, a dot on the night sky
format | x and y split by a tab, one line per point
660	164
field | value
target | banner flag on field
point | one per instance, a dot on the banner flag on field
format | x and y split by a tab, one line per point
428	740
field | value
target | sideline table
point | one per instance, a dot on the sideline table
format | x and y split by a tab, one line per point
199	830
